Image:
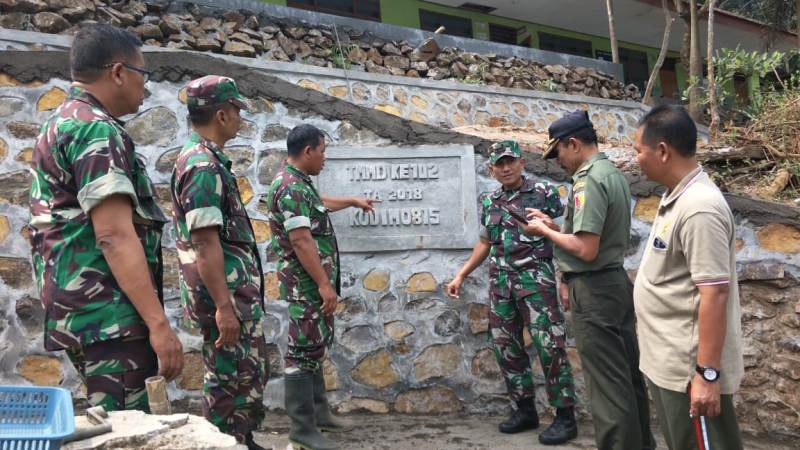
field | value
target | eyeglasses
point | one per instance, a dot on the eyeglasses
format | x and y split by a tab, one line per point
145	73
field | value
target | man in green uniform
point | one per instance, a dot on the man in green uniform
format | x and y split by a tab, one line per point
221	277
309	279
590	248
522	293
96	230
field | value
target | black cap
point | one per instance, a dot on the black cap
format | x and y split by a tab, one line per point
565	127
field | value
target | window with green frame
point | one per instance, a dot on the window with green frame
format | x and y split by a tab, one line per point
361	9
457	26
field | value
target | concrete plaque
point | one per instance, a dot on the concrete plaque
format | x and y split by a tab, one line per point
428	193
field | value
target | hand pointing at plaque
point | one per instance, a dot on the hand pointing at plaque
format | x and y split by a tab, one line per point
338	203
365	204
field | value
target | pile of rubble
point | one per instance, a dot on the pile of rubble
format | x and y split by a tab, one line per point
243	33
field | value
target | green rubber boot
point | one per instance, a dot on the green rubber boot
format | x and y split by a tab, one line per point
303	433
326	421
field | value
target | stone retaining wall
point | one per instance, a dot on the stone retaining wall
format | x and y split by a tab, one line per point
401	344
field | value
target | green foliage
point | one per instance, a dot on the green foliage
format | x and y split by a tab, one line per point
730	63
339	56
548	85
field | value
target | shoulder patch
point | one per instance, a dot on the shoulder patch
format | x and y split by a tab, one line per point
579	200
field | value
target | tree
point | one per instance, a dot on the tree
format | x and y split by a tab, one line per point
661	54
612	32
713	127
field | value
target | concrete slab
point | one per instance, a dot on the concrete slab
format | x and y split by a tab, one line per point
401	432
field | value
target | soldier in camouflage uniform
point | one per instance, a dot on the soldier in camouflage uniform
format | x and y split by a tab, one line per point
95	229
309	279
221	277
522	293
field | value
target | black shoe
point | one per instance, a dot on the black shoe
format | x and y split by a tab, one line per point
563	428
523	418
250	443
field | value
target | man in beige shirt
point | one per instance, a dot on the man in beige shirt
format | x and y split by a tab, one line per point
686	294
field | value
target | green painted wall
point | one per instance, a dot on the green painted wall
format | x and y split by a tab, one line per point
406	13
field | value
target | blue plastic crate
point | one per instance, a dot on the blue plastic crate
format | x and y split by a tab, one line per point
34	418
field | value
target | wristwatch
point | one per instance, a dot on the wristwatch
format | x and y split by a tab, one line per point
709	374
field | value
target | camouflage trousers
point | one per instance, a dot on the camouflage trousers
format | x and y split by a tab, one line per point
235	376
114	372
310	334
529	299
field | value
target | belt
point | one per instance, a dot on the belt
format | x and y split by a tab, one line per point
567	276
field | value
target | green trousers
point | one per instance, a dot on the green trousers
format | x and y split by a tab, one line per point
604	328
672	409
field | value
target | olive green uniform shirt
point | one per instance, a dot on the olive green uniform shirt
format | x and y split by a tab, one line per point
599	203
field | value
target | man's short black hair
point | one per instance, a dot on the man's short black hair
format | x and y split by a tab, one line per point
670	124
585	135
96	46
204	115
302	136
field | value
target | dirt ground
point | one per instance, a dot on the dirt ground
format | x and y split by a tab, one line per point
401	432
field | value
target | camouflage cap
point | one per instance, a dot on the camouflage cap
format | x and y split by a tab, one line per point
213	90
502	149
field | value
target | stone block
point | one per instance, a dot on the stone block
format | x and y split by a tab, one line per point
389	109
349	307
308	84
376	370
338	91
447	324
398	330
25	156
419	102
245	189
331	375
432	400
376	280
41	370
484	366
418	117
269	165
359	339
437	361
156	126
357	404
193	371
171	269
30	313
51	99
16	272
3	149
11	105
271	290
15	188
478	315
421	282
23	130
274	133
779	238
261	230
5	228
646	208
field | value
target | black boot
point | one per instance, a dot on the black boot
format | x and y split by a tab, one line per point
524	418
326	421
563	428
303	432
250	443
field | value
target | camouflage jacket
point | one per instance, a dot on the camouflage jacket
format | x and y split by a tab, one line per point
82	156
511	249
294	203
204	194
